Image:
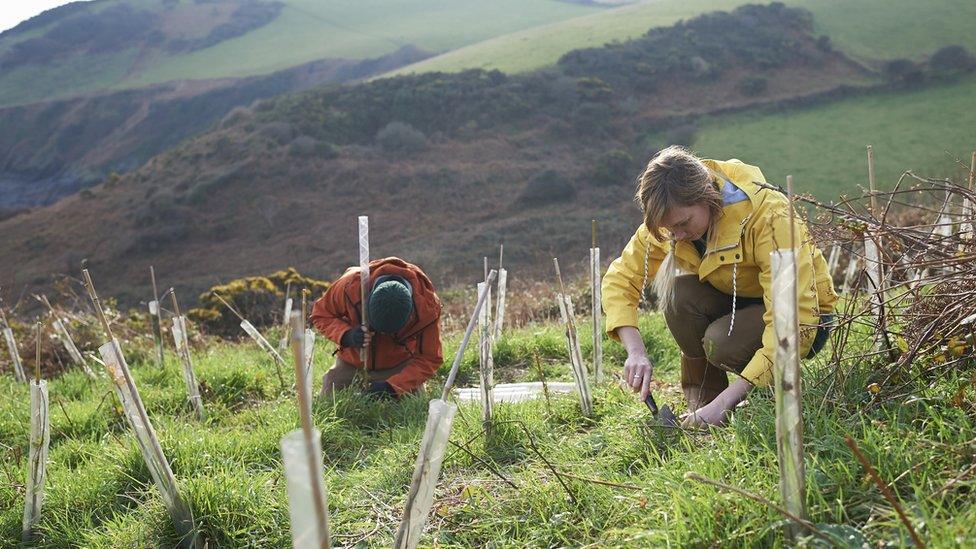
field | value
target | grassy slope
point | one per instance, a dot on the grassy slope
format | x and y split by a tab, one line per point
310	29
305	30
877	29
100	494
823	147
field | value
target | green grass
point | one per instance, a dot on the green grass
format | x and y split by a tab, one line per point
824	147
869	29
229	469
311	29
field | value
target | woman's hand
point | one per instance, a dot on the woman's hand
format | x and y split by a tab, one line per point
716	412
637	367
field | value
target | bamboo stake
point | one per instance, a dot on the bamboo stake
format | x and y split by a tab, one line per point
253	332
850	272
364	354
138	419
302	455
182	341
40	439
486	361
596	305
157	320
572	341
427	468
8	335
502	290
65	338
874	267
786	378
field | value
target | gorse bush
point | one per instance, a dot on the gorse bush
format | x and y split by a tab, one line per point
260	299
548	187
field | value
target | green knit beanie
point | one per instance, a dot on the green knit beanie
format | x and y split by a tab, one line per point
390	305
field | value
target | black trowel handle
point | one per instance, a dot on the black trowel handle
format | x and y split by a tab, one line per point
651	405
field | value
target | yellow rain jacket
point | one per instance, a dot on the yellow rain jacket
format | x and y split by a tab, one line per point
736	262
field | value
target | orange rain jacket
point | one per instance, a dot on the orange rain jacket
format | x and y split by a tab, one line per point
418	342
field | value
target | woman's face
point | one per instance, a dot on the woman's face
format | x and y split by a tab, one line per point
687	222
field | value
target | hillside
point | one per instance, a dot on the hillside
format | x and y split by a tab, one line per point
111	44
867	30
527	160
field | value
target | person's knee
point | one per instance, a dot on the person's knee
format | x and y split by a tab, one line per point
727	353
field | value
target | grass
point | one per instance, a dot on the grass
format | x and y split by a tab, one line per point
100	493
871	29
823	146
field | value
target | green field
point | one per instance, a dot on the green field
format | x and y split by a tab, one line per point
306	30
823	147
867	29
99	493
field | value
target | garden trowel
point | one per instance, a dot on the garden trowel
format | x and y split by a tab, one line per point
664	415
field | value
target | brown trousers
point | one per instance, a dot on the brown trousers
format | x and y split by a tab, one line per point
699	321
342	374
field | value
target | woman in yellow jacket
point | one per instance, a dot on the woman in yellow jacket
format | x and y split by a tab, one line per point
705	242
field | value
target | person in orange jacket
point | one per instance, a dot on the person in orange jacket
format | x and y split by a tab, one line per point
403	336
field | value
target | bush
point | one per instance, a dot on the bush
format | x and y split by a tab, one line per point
615	167
305	146
548	187
903	71
260	299
400	137
751	86
951	60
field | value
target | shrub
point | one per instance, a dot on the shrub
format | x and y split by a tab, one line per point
305	146
902	71
823	44
400	137
548	187
951	60
751	86
260	299
615	167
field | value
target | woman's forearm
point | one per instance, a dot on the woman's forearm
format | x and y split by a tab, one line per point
631	339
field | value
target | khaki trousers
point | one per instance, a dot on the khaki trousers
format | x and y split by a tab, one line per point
699	321
342	374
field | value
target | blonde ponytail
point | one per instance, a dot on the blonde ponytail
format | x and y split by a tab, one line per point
664	281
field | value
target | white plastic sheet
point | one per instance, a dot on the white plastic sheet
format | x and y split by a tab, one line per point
145	435
309	363
284	325
580	374
307	501
183	351
8	335
427	470
40	439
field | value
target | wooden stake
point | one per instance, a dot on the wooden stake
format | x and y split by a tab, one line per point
572	341
157	321
69	345
452	374
834	258
182	341
138	419
302	453
871	183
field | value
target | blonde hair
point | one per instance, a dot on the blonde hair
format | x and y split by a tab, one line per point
673	178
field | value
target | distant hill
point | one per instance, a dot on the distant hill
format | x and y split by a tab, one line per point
86	47
866	30
448	165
